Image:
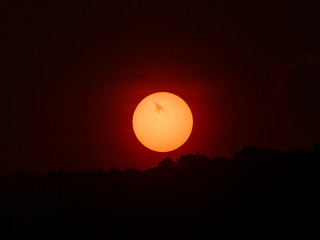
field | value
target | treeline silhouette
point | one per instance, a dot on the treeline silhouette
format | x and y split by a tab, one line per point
257	193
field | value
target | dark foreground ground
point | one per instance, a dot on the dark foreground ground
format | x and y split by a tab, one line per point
258	193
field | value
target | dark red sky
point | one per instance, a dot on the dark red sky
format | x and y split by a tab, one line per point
72	74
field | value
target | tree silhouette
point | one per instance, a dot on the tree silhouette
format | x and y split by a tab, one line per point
258	192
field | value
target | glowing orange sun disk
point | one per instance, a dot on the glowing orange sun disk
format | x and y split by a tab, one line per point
162	122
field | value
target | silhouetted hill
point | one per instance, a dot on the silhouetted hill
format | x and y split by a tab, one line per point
258	193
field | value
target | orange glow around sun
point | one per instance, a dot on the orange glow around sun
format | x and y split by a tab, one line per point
162	122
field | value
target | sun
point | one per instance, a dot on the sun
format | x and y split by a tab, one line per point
162	122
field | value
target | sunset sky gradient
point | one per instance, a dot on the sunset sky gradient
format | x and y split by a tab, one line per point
74	72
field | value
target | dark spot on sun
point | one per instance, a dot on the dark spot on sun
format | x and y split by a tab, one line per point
158	107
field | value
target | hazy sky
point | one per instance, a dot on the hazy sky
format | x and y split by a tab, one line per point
72	74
